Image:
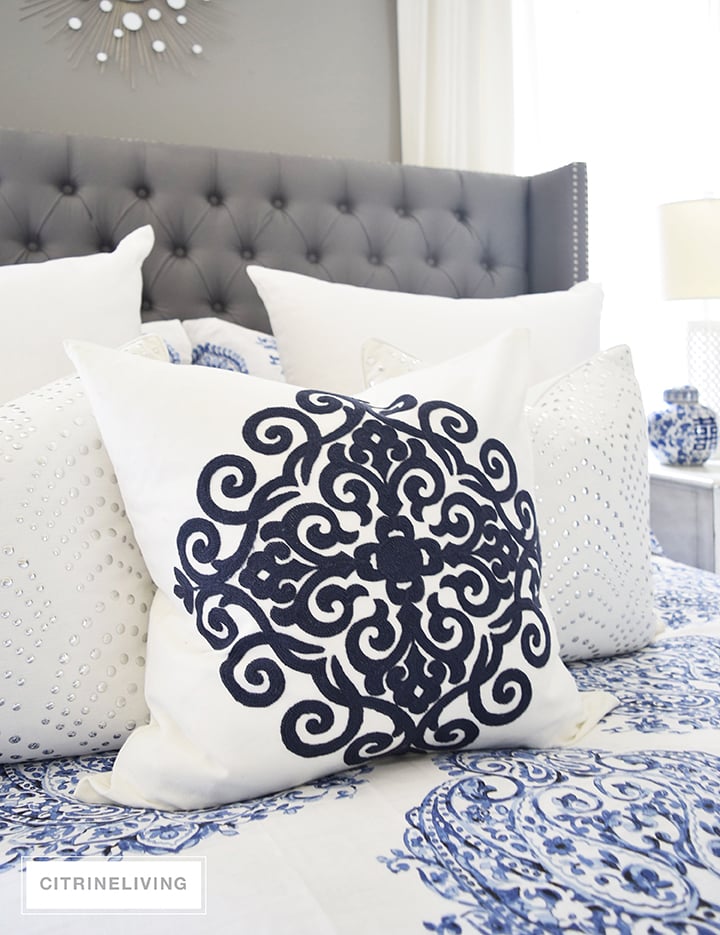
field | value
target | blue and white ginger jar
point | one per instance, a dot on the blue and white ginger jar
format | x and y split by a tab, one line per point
686	431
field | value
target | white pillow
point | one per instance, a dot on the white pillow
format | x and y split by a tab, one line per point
94	298
74	590
321	327
589	438
338	578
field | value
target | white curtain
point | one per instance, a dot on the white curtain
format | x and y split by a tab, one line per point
628	86
456	84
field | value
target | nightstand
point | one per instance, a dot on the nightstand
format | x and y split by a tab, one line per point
685	512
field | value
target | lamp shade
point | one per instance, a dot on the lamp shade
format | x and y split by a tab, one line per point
690	237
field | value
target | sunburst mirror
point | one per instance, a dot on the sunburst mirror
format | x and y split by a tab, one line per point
133	34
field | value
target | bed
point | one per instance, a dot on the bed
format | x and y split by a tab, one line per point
613	828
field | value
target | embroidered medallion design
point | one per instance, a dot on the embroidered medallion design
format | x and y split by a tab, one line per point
382	561
571	840
218	356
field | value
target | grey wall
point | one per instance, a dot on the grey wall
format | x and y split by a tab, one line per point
317	77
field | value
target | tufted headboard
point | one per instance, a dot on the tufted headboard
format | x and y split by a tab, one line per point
388	226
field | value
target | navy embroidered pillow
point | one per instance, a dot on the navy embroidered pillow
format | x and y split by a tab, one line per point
338	577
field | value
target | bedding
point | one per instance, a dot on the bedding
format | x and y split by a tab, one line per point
616	831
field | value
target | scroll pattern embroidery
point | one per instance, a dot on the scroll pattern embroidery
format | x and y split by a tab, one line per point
385	557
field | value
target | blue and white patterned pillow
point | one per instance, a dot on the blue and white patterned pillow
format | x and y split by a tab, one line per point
227	346
215	355
211	342
339	577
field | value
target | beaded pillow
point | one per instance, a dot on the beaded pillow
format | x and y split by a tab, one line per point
589	436
589	439
74	590
338	577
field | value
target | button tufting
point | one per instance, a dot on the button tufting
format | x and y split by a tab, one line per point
343	207
180	251
106	247
219	308
312	257
68	188
146	305
247	253
278	202
460	215
32	246
401	212
431	261
374	259
214	199
142	192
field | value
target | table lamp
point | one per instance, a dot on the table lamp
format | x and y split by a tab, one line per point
690	240
686	432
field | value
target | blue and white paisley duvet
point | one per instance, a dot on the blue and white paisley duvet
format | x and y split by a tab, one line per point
619	834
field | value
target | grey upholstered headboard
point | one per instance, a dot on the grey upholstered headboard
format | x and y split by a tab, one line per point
214	211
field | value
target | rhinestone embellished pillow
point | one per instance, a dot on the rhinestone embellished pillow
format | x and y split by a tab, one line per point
338	577
589	436
74	589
